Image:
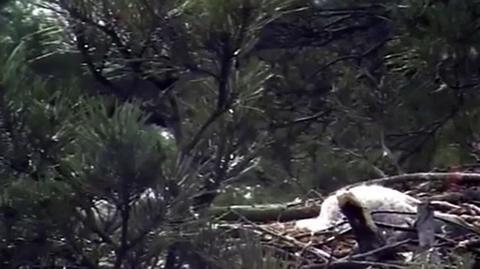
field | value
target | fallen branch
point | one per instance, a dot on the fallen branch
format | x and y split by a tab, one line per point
355	264
264	213
416	177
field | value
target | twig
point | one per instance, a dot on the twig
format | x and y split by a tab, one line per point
355	264
445	204
213	117
302	119
388	247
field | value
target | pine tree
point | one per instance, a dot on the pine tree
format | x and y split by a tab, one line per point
124	122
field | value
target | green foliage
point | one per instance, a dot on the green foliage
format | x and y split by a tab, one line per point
35	196
24	22
117	150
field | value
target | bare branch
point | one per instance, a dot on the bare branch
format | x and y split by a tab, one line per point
306	119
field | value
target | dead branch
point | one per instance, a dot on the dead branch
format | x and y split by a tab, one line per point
264	213
355	265
418	177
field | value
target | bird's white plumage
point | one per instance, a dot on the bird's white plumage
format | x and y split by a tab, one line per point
373	198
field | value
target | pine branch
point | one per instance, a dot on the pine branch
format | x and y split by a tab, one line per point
82	46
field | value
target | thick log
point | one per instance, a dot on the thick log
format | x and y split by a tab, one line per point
421	177
264	213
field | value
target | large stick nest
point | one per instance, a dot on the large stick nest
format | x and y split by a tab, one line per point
457	195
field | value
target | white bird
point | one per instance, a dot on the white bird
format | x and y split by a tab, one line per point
373	198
